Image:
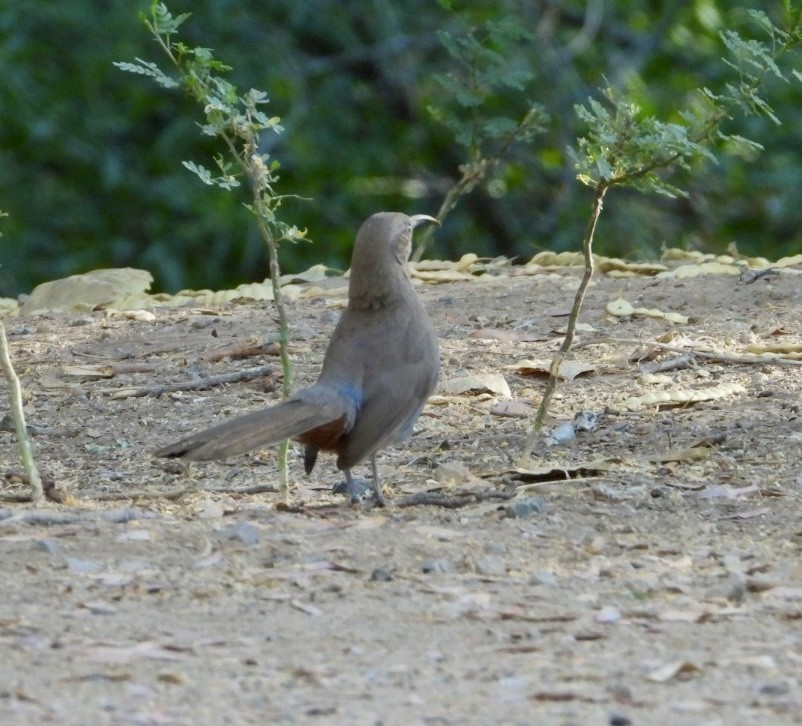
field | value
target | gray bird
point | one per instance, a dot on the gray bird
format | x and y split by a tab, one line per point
380	368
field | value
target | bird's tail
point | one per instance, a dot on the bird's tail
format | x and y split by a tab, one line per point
285	420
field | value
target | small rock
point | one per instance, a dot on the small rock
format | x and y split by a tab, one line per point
608	614
492	566
545	577
240	532
736	590
83	320
436	566
524	508
134	535
210	509
618	719
778	688
84	567
49	546
99	608
380	575
562	434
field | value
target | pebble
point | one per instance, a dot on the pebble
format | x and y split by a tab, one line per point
778	688
545	577
525	508
48	545
492	566
380	575
84	567
436	566
240	532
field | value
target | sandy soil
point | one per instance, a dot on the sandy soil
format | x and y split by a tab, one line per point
646	572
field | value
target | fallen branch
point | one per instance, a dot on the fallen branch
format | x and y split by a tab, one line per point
457	501
45	517
199	384
178	492
686	360
716	357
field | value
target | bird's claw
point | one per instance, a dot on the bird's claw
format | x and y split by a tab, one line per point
357	490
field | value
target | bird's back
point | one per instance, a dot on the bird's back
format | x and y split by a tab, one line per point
390	356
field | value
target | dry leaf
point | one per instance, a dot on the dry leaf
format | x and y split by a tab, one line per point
748	513
694	615
8	306
511	408
124	653
785	593
613	266
787	261
452	473
775	348
704	268
486	382
725	492
693	453
624	308
558	259
316	273
508	336
569	369
672	670
306	608
440	275
88	371
466	262
144	316
684	396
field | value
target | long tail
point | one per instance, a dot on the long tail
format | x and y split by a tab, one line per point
285	420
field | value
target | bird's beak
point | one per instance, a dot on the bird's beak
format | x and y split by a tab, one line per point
421	218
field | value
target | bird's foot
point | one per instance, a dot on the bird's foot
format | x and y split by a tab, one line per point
358	489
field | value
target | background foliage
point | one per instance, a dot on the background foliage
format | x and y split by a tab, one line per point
90	157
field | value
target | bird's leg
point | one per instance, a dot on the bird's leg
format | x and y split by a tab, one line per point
355	487
377	486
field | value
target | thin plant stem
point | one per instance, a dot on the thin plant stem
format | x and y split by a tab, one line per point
253	167
18	414
283	334
471	175
570	329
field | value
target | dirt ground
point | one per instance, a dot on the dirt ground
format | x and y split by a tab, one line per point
645	572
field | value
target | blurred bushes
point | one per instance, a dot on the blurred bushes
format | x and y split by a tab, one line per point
90	168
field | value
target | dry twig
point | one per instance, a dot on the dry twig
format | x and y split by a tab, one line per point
196	385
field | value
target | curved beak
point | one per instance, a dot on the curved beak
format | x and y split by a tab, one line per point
421	218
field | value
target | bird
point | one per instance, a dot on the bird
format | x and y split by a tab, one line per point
381	366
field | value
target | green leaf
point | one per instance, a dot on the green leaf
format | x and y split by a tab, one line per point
146	68
202	172
163	21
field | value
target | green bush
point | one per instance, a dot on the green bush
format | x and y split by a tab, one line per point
90	158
